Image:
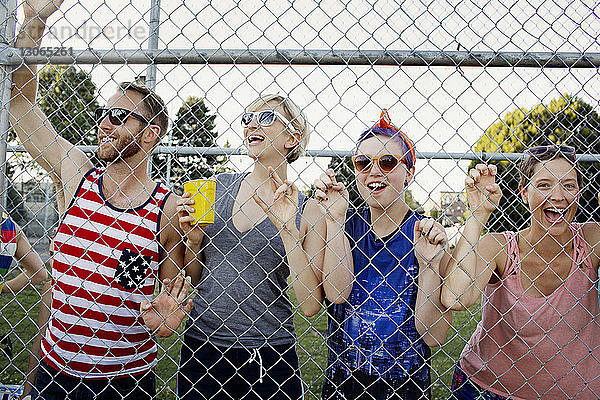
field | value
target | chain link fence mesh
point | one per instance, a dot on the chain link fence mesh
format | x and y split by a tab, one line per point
467	82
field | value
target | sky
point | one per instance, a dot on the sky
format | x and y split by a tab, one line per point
442	109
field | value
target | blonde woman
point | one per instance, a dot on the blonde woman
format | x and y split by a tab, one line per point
240	341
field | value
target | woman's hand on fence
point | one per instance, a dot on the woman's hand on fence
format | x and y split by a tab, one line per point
164	315
430	241
332	196
41	9
483	193
280	203
185	206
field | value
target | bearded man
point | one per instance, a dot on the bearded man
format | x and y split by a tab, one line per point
118	235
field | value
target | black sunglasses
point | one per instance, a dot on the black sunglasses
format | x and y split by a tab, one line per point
118	116
541	151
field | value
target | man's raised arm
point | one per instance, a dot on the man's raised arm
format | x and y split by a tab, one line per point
55	154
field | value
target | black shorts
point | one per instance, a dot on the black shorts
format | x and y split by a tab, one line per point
54	385
361	386
210	372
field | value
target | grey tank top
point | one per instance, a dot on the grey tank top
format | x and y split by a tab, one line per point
241	298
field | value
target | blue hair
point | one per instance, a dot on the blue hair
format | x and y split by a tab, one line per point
391	133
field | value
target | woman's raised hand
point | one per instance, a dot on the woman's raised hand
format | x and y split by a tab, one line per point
430	241
483	193
332	196
281	202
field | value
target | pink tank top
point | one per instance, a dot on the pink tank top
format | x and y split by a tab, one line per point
549	347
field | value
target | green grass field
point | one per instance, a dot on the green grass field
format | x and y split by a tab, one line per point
19	315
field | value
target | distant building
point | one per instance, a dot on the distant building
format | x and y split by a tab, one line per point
454	207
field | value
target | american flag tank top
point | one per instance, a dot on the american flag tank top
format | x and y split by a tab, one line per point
105	264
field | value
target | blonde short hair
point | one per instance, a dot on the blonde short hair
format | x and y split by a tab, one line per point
298	122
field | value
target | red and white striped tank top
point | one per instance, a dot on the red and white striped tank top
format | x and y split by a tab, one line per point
105	264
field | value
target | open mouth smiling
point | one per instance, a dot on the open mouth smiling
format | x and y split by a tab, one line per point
554	214
376	187
255	139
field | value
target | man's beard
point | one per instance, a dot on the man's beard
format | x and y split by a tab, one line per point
123	148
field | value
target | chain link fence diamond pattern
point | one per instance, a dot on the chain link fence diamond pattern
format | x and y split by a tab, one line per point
468	82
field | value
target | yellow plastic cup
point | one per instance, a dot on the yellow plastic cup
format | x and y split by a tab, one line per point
203	192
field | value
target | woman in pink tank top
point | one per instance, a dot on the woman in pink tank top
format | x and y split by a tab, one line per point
539	336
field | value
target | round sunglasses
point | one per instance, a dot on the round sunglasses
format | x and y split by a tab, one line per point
263	118
118	116
385	162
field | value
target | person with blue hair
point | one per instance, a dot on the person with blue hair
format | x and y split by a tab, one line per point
382	276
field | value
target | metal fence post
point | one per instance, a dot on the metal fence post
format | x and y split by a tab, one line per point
7	29
154	25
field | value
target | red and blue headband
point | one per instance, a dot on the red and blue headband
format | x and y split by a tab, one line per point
385	127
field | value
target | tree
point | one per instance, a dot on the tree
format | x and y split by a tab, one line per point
195	127
344	172
68	97
565	120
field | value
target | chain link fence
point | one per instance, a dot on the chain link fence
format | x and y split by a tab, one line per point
467	82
